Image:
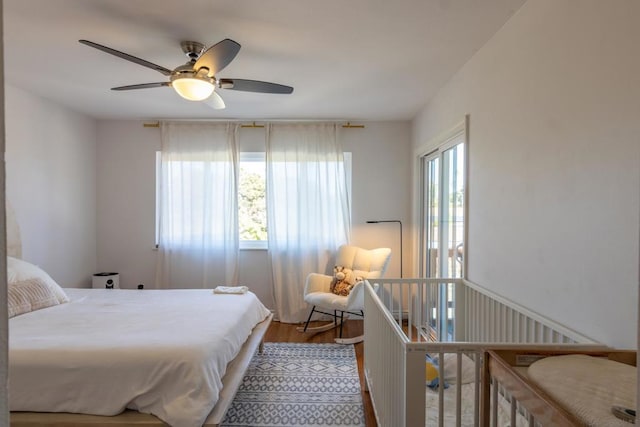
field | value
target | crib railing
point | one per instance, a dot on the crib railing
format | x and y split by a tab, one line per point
459	310
507	322
404	318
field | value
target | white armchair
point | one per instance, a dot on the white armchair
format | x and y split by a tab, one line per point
369	264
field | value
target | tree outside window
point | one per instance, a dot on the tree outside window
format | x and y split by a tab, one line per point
252	207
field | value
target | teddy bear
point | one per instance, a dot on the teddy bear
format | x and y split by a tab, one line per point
343	280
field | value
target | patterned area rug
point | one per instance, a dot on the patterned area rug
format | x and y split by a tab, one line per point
299	385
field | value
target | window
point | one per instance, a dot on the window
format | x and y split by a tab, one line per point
252	202
252	206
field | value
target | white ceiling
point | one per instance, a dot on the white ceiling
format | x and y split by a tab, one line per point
346	59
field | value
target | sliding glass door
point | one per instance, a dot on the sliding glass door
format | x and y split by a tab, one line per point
443	213
443	229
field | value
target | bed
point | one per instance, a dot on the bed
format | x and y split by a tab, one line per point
415	327
565	387
122	355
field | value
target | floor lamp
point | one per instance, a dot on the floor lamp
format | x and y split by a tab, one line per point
399	222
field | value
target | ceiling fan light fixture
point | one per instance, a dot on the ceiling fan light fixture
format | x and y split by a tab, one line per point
192	87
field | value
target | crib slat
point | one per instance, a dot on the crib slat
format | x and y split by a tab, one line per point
476	390
458	390
494	404
441	390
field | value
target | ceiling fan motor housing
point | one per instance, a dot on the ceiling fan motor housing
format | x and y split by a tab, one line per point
193	50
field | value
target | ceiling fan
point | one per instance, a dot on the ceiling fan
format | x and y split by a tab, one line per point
196	80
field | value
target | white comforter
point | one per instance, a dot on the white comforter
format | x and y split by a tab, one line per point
162	352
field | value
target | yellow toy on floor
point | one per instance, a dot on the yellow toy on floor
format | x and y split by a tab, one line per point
432	374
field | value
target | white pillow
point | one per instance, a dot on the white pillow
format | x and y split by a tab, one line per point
30	288
468	371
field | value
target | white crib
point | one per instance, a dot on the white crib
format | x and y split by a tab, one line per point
456	321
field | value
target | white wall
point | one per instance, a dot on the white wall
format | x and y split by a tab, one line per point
126	201
126	197
554	104
50	179
381	188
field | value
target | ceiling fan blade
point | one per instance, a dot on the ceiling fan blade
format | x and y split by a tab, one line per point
254	86
218	56
215	101
128	57
142	86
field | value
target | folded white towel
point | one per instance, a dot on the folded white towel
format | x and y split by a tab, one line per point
230	290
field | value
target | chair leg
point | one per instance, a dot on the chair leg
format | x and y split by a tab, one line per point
306	325
335	317
341	322
353	340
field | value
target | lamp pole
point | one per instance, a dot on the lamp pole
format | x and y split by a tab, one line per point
399	222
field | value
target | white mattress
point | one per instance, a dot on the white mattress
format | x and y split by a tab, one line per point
587	386
161	352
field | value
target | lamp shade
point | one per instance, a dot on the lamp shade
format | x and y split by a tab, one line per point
193	89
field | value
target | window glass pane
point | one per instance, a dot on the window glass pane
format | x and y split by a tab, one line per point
433	183
432	187
453	211
252	207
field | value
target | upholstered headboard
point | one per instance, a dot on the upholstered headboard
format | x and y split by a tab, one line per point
14	242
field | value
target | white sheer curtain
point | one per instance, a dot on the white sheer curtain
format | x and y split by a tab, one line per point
308	212
198	230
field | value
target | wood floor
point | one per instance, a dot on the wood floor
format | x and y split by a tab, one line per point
284	332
